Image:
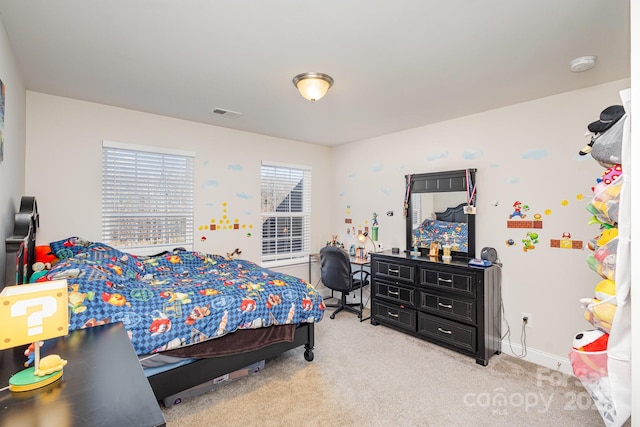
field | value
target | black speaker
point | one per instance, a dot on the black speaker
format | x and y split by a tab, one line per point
490	254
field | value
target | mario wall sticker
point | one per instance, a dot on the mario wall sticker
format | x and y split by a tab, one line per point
518	210
516	218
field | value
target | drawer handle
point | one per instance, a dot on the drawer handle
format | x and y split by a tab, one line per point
445	305
445	280
390	314
394	271
444	331
396	293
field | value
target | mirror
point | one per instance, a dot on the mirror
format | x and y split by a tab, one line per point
436	212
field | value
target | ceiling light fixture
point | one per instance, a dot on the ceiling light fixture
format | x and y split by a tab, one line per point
583	63
313	86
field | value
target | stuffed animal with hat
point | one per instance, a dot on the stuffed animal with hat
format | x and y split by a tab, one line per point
606	142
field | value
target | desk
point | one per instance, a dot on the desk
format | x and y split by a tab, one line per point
362	262
102	385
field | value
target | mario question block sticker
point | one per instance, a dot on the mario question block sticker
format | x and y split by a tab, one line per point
33	312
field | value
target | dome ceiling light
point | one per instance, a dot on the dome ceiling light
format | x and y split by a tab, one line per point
313	86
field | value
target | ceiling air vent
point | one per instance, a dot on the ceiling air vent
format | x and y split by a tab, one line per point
225	113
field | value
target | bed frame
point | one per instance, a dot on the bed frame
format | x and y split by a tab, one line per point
21	245
20	248
453	214
173	381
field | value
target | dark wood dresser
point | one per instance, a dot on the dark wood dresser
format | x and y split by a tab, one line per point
450	304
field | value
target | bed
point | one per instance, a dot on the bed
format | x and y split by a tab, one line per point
449	227
205	314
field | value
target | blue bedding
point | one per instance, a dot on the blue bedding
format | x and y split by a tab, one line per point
443	232
177	298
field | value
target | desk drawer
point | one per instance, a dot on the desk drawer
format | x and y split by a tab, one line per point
401	317
454	307
456	334
392	271
448	280
395	293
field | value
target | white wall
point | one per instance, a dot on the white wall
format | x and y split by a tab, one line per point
12	167
526	152
64	141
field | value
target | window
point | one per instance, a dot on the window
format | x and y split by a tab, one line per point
147	198
286	212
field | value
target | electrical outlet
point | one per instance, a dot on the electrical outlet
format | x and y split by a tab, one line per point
528	316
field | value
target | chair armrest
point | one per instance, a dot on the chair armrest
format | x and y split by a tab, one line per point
363	276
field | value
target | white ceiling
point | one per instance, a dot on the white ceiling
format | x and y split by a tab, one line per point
396	64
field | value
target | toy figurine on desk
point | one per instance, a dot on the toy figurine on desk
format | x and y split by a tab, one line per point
29	314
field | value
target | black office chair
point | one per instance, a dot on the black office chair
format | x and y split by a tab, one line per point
336	274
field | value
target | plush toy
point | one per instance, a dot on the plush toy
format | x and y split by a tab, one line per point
606	291
606	142
606	236
589	358
599	313
44	260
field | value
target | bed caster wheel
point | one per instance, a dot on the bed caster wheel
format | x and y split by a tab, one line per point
308	355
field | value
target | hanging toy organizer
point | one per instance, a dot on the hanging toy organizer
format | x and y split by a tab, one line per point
601	356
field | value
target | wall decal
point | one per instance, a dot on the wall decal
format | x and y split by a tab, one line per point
566	242
472	154
437	156
529	242
377	167
225	223
235	168
535	154
519	210
512	180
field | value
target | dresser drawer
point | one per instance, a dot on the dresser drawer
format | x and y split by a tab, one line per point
454	307
393	271
456	334
448	280
395	293
401	317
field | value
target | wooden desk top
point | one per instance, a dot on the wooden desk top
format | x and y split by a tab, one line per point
102	384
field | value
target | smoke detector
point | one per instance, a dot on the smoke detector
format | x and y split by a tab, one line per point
583	63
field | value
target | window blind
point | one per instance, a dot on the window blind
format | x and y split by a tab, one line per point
285	211
147	197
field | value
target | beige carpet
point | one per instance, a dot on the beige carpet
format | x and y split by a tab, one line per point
366	375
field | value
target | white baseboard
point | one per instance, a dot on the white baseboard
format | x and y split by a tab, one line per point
538	357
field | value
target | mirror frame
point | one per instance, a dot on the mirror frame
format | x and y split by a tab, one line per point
442	182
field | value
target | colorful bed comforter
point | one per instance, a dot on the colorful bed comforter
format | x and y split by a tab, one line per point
177	298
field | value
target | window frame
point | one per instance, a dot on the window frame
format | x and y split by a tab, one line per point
287	257
133	162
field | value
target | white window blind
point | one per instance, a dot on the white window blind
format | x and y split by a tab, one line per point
286	212
147	197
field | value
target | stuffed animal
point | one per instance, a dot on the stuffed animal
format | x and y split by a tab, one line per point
44	260
606	291
606	142
599	313
589	358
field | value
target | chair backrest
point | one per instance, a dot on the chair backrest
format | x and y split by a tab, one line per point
335	269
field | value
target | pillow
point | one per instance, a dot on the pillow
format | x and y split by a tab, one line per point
69	247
